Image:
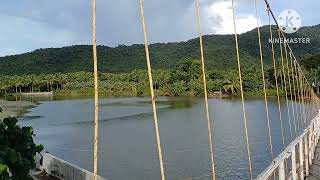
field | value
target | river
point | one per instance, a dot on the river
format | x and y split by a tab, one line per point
127	138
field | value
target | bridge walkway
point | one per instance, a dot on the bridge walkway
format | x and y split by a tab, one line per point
315	167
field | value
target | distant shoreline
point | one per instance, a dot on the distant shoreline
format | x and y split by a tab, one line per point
38	94
14	108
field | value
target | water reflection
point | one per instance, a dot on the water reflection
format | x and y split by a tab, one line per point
127	139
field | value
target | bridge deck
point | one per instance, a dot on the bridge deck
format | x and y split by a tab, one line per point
315	167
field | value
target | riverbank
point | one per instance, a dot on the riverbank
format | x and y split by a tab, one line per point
37	94
89	92
14	108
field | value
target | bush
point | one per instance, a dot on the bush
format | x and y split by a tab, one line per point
17	150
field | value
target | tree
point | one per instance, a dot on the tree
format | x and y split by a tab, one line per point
17	150
186	70
178	88
232	85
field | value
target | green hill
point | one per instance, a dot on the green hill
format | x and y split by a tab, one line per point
312	62
219	54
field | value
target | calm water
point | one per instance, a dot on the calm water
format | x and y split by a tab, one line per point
127	138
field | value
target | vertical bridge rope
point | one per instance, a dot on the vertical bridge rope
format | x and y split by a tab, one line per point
155	117
264	81
96	94
303	94
307	95
290	89
241	91
276	78
299	95
285	84
295	112
205	90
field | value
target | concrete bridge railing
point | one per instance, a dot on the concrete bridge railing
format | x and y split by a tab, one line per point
301	151
63	170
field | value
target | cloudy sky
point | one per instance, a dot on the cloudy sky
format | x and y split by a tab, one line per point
32	24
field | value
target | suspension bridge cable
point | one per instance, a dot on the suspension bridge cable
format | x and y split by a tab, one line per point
276	78
96	93
302	94
264	80
305	100
309	103
205	90
302	97
298	90
290	88
282	34
241	91
299	93
294	93
153	99
285	84
306	85
281	76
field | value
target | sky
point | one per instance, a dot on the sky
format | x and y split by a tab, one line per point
31	24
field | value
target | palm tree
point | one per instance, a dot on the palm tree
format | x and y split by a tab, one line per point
232	85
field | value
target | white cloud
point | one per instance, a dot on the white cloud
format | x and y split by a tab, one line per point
27	25
20	35
220	19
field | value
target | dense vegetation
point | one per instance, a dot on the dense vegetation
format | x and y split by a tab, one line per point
311	62
183	80
68	70
219	53
17	150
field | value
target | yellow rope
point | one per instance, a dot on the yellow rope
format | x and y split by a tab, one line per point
241	90
302	98
294	92
308	90
281	76
306	83
309	103
155	117
96	94
290	89
276	78
305	100
285	84
264	81
205	91
299	95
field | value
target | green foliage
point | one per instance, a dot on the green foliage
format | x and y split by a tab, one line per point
312	62
219	55
178	88
183	80
17	150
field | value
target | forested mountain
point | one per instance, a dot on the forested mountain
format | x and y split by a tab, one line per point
312	62
219	54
